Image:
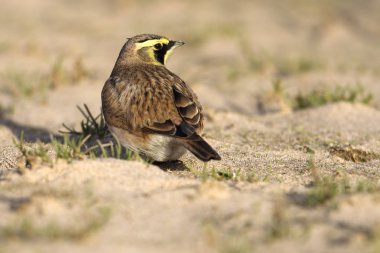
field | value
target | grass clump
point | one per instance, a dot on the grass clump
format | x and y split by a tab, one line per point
225	174
279	227
94	129
59	75
277	99
264	62
6	110
70	149
327	188
235	240
39	153
89	142
236	244
351	94
38	83
24	85
90	125
374	239
284	67
26	228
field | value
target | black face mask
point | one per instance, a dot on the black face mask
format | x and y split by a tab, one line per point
160	53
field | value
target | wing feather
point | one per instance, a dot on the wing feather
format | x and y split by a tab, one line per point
190	118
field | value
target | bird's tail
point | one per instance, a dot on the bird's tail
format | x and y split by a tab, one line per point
200	148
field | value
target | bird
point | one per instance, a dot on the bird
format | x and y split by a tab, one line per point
148	108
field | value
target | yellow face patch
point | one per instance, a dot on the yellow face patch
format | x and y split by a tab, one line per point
168	53
151	43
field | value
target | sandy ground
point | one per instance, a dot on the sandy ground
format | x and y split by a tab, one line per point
56	55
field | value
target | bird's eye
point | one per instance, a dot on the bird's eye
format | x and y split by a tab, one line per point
158	46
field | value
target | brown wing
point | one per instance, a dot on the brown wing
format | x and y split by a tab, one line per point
187	130
189	111
152	100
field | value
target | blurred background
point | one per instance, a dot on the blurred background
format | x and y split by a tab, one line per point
291	95
250	57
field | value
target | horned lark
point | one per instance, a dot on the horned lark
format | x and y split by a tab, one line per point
148	108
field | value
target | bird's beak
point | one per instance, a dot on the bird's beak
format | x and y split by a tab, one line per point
173	44
178	43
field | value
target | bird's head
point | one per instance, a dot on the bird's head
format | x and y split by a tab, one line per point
150	48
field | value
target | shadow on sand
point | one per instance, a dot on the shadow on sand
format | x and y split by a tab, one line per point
172	165
31	134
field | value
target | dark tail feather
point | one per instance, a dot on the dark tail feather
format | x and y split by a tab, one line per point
201	149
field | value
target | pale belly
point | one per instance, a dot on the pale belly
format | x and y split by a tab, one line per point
158	148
